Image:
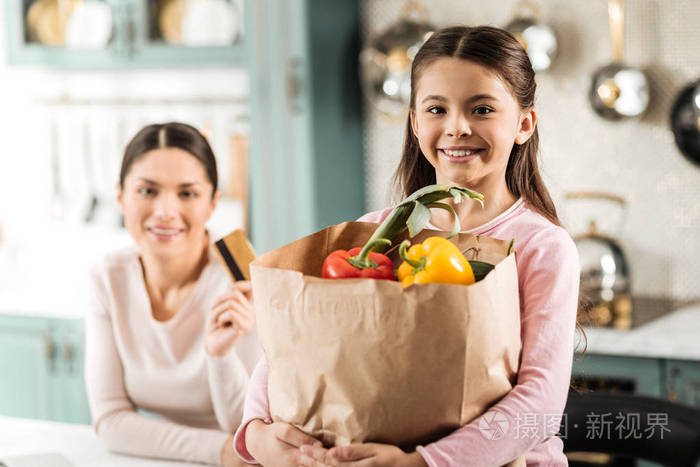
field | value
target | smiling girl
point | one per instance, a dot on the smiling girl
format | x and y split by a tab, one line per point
472	123
166	332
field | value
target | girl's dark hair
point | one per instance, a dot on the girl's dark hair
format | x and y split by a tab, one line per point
501	53
170	135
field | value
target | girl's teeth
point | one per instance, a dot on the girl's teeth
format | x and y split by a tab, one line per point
164	232
458	153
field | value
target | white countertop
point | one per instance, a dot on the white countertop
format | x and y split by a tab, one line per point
78	444
673	336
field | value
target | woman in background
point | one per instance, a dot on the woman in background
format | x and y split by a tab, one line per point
166	332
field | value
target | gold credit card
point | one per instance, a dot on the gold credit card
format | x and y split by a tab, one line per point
235	251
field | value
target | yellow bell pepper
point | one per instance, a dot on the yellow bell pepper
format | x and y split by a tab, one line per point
435	260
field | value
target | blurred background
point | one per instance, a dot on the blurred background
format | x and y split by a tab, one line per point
304	103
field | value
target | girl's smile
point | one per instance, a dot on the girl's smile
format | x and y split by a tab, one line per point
459	154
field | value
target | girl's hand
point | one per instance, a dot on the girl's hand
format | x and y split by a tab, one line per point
231	317
359	455
276	444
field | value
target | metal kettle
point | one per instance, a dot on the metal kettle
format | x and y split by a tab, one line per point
605	273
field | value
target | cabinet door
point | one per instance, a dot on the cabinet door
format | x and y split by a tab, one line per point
27	366
307	162
36	35
70	401
683	381
157	40
640	375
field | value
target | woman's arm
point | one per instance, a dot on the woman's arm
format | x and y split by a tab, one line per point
232	351
114	416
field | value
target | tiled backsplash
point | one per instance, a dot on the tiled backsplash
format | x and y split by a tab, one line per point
637	160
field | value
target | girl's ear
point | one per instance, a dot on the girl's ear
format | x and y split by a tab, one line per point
412	117
528	122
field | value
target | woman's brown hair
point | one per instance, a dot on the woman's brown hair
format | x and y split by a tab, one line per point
501	53
170	135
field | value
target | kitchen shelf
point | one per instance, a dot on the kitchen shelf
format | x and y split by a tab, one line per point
131	45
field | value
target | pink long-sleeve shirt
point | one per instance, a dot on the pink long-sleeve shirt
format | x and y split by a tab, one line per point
529	415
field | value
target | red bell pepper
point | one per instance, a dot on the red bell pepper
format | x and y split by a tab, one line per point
358	263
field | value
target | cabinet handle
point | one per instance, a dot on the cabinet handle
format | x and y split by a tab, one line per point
69	355
672	383
293	84
50	350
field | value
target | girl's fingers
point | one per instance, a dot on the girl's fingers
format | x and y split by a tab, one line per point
320	455
353	452
292	435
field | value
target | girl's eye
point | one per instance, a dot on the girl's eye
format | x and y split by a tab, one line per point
147	191
481	110
436	110
188	194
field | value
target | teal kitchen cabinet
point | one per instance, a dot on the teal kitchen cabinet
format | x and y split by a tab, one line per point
27	363
682	378
70	400
135	41
306	162
41	367
632	374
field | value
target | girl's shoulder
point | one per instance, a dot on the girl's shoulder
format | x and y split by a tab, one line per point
537	240
376	216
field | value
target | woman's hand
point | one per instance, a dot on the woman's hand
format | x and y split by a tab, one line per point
231	317
276	444
359	455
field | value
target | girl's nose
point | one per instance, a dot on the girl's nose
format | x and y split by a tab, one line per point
458	127
166	206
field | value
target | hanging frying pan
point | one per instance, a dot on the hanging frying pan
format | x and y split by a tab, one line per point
618	91
536	36
685	121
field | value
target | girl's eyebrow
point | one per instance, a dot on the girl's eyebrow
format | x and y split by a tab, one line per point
434	97
181	185
474	98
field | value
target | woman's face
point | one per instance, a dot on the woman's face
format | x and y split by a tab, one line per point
166	200
466	121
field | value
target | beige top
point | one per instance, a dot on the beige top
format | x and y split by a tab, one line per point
136	362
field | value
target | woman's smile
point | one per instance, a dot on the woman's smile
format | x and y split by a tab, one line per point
165	233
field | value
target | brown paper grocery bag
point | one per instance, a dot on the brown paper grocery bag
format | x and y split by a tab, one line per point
357	360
